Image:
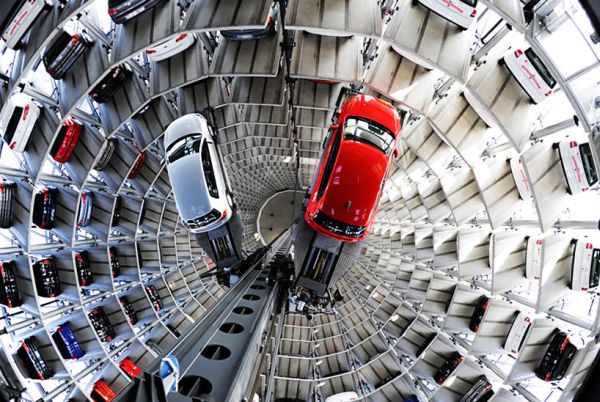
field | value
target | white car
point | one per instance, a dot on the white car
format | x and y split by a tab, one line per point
197	178
518	172
170	47
17	120
22	17
459	12
585	266
578	165
517	332
531	73
343	397
533	262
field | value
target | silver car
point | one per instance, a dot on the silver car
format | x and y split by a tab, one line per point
196	174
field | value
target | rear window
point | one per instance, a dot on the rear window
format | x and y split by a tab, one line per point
588	164
184	147
12	124
540	67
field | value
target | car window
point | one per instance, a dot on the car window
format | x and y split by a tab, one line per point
209	173
368	132
185	146
472	3
540	67
588	164
330	162
11	127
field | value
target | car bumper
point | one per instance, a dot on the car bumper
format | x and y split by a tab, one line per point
332	235
163	54
133	11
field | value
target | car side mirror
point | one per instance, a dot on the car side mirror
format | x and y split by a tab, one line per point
334	126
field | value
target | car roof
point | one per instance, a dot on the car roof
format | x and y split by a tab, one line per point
373	109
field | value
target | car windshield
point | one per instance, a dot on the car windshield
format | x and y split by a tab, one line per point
368	132
472	3
588	164
540	67
183	147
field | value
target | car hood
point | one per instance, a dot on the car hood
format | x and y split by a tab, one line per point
355	183
189	187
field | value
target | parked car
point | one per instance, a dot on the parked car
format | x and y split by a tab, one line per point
110	84
448	367
354	166
63	146
33	361
121	11
105	154
60	56
102	325
459	12
577	165
116	216
154	297
170	47
47	281
585	266
84	268
19	17
137	166
67	344
17	120
129	367
129	310
518	172
197	178
482	305
101	392
9	291
7	192
516	335
481	391
44	207
557	358
113	257
343	397
531	73
533	260
85	209
254	34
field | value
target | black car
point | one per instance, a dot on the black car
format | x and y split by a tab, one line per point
129	310
84	268
110	84
254	34
557	358
154	297
448	367
102	325
47	281
63	52
481	391
121	11
482	305
113	257
7	191
44	207
9	292
173	330
116	211
33	361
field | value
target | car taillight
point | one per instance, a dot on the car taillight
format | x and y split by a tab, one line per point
473	13
548	93
224	215
150	51
25	111
74	39
113	11
573	144
539	242
180	37
589	246
518	53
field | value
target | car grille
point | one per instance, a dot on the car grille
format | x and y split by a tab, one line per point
338	227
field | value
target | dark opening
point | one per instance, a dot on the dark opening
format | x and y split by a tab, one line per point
243	310
216	352
194	386
231	328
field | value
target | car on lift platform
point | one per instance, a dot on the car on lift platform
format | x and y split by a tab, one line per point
170	47
459	12
18	17
121	11
196	174
17	120
516	335
110	84
585	266
60	56
482	305
577	165
481	391
254	34
557	358
354	166
531	73
343	397
448	367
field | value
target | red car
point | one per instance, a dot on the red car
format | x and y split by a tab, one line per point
129	367
354	166
68	136
137	166
101	392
